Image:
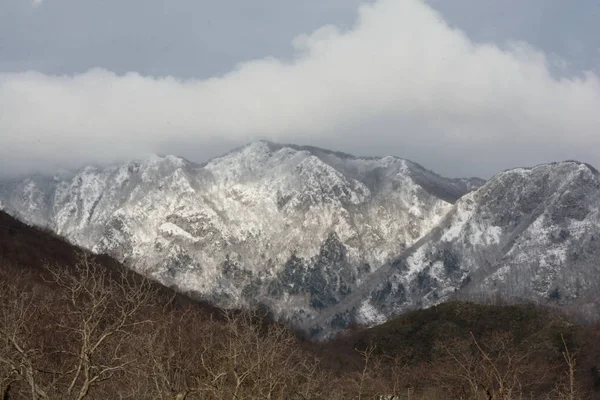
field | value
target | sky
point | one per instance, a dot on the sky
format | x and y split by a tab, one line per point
464	87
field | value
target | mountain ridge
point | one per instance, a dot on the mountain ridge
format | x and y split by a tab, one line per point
302	229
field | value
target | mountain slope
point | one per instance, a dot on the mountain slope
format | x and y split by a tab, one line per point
170	346
529	234
297	228
325	239
27	254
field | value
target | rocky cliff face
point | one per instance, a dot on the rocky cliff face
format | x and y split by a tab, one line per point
325	238
296	228
531	234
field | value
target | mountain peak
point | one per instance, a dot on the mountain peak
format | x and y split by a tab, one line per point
319	235
558	166
243	214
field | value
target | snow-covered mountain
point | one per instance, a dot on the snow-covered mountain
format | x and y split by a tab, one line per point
325	238
530	234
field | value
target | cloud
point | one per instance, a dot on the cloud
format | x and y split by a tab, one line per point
36	3
400	81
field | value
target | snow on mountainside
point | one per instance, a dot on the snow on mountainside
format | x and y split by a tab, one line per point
297	228
529	234
325	239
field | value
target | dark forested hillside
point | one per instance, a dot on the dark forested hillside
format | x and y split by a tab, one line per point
79	326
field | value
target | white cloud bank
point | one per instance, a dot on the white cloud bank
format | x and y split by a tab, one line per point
401	81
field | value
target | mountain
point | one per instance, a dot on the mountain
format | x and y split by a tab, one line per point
138	339
325	239
295	227
527	234
28	254
169	346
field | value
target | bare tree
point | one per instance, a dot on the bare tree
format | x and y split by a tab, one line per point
21	349
492	368
171	355
399	369
17	352
568	388
104	310
367	356
243	358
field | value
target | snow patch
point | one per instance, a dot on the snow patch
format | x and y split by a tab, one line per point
463	213
172	230
369	315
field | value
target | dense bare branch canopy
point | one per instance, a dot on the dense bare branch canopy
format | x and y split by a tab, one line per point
83	328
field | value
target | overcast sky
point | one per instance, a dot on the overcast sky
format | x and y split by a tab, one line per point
465	87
